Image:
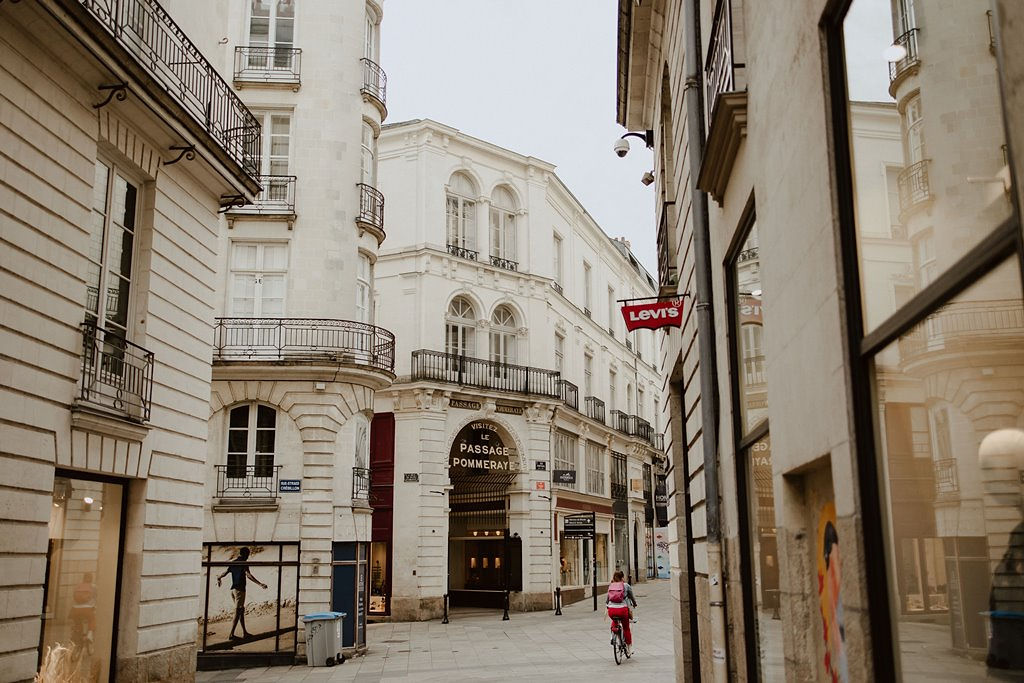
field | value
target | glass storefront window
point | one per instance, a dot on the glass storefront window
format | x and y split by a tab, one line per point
950	418
82	572
569	562
622	546
379	577
930	170
601	546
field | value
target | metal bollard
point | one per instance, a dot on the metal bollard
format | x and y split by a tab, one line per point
558	601
504	617
445	619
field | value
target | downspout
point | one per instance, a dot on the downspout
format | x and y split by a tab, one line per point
706	341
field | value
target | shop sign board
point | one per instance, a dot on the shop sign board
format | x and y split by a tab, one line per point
541	465
468	405
478	446
636	484
289	485
654	315
563	476
661	491
508	410
579	526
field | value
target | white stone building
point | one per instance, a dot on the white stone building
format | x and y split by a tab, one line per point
514	370
296	357
118	144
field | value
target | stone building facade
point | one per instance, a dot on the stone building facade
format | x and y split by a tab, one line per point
520	400
836	190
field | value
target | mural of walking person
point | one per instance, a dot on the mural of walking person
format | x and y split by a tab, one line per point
240	571
830	597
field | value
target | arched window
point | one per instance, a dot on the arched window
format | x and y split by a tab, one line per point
503	335
503	224
252	433
461	212
362	444
459	327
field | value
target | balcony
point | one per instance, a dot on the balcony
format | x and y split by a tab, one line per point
268	66
570	394
302	340
276	198
165	62
484	374
721	66
908	64
913	186
593	407
748	255
117	375
618	421
946	481
558	288
462	252
361	484
507	264
375	85
371	211
258	482
658	441
959	327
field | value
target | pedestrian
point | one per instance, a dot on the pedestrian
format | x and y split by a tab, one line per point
239	571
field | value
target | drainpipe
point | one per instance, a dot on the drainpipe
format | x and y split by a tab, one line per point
706	341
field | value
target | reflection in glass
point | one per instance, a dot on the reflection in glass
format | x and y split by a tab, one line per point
569	562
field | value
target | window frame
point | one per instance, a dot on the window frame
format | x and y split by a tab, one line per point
367	151
464	329
364	288
465	234
272	26
595	453
265	117
503	226
252	430
502	345
258	270
556	256
570	444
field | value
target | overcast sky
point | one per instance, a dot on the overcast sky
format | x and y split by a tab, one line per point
535	76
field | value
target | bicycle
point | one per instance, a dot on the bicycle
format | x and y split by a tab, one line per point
619	648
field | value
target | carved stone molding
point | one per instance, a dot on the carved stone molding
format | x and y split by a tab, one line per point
727	131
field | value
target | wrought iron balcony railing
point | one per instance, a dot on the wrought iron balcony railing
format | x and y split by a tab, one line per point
618	421
371	207
558	288
658	441
946	480
593	407
748	255
145	30
462	252
507	264
248	481
908	41
629	344
719	70
485	374
303	340
960	325
618	476
116	374
375	81
570	393
360	483
268	64
913	185
276	197
638	427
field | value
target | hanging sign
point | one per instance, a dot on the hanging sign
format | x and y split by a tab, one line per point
657	314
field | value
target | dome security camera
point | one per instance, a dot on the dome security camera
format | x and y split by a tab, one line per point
621	147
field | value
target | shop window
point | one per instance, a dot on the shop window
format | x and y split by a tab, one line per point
569	562
379	588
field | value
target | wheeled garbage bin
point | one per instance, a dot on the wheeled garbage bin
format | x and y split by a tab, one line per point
323	638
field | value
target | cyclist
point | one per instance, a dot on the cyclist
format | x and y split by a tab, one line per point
620	596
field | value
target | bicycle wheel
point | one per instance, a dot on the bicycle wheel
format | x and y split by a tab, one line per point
617	646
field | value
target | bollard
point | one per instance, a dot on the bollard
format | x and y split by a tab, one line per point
558	601
504	617
445	619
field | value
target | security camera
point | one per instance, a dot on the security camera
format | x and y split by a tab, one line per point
647	178
621	147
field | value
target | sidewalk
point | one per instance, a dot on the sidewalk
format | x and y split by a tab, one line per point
531	647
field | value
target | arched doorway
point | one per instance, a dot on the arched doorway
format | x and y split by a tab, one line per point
482	560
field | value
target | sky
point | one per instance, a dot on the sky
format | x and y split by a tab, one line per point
535	76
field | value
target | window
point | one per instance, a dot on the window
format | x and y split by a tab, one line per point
629	398
364	282
111	250
924	259
753	353
565	456
371	48
459	328
258	276
595	468
914	133
587	303
368	160
559	352
276	147
461	212
503	224
271	25
503	335
362	441
588	375
611	311
657	415
639	400
556	256
252	430
612	381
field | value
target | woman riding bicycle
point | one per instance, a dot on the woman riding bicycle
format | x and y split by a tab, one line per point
620	595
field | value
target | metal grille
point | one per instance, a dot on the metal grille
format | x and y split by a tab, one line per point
268	64
116	374
241	481
447	367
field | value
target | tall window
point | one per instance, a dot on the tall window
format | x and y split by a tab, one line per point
362	441
371	48
559	352
657	415
588	375
272	25
459	328
364	280
368	160
460	205
612	381
503	335
611	311
639	400
595	468
587	303
565	455
258	275
252	430
753	353
556	257
276	147
111	249
503	224
915	130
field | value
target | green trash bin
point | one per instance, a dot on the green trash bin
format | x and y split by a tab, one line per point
323	638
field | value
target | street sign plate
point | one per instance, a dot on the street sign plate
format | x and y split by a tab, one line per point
579	526
289	485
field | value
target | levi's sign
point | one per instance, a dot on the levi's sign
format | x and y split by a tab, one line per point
665	313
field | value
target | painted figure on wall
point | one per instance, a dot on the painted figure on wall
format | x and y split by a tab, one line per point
829	595
239	573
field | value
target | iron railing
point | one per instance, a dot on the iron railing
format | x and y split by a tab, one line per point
753	370
268	64
303	339
248	481
960	325
276	197
618	476
558	288
638	427
360	483
167	54
371	206
946	480
719	70
570	393
116	374
629	344
507	264
462	252
618	421
750	254
658	441
593	407
375	81
485	374
913	185
908	41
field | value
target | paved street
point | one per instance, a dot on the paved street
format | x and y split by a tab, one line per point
529	647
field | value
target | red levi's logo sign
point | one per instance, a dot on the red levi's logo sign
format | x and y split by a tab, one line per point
665	313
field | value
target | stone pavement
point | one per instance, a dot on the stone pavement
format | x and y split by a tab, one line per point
537	646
